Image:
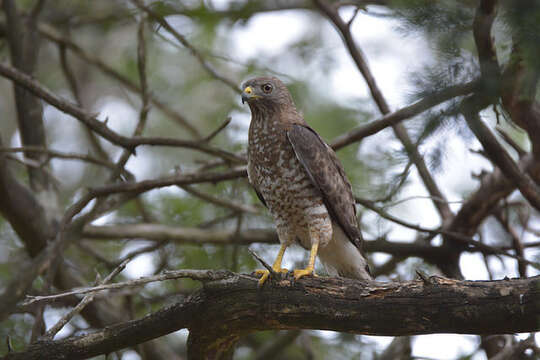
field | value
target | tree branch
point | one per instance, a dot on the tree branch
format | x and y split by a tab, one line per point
233	306
100	127
51	34
399	130
182	39
407	112
24	48
158	232
497	154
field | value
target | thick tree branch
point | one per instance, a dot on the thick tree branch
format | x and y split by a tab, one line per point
24	48
223	310
23	211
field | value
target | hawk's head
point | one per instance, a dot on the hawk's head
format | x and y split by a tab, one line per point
265	91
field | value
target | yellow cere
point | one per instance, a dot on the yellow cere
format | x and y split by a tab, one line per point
248	90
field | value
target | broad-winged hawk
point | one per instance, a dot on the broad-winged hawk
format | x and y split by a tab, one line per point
303	184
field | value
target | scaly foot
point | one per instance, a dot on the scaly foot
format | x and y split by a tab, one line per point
298	273
265	274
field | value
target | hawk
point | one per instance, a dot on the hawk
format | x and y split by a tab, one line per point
303	184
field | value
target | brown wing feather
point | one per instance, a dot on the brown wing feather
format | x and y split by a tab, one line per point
328	176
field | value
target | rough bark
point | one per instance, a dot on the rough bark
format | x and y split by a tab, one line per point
224	310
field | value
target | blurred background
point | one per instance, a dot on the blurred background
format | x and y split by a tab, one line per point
196	55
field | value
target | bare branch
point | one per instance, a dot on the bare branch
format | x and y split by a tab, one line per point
101	128
226	203
59	154
182	235
263	263
517	245
470	108
454	236
24	46
400	131
200	275
183	179
145	99
82	304
405	113
519	150
51	34
398	308
214	133
182	39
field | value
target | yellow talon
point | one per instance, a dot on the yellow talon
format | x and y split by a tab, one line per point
265	274
298	273
276	267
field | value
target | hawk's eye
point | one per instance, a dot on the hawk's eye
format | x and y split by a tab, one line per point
267	88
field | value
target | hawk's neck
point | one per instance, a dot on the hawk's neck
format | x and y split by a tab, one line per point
282	116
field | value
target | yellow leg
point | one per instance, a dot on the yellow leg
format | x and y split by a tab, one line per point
276	267
309	270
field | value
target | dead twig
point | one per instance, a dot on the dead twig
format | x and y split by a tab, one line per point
263	263
199	275
82	304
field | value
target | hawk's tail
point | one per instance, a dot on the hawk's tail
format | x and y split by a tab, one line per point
341	258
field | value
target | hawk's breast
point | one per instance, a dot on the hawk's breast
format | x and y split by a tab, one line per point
275	171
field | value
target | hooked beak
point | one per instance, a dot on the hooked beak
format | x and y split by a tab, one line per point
248	94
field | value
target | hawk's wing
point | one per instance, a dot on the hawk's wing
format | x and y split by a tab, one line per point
259	195
328	176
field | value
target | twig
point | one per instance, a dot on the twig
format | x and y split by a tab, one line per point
187	45
35	164
424	277
268	267
129	143
142	250
222	126
517	245
145	99
82	304
72	81
184	179
199	275
59	155
51	34
226	203
181	235
496	153
399	130
511	142
8	344
405	113
415	197
452	235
